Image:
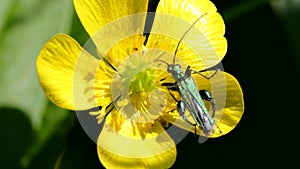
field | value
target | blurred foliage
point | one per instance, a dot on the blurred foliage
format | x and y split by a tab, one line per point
263	54
288	12
25	27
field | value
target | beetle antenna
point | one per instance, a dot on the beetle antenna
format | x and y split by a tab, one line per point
162	61
184	36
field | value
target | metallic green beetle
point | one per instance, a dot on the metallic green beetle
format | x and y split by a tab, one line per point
192	98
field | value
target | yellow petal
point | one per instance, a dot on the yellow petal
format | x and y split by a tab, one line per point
125	144
116	27
66	73
203	46
94	14
228	97
116	53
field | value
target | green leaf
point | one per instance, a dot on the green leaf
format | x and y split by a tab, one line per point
16	136
288	13
5	9
242	8
80	152
49	138
25	26
78	32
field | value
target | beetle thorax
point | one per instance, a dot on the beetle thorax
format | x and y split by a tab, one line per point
176	71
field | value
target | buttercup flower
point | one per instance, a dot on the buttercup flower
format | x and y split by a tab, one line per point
122	85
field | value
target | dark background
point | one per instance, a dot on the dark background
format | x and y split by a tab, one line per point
262	54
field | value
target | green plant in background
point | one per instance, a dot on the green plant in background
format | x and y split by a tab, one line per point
289	14
37	134
27	120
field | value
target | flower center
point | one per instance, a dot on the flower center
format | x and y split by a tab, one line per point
134	91
143	81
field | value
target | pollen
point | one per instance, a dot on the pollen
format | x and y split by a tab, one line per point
143	81
139	99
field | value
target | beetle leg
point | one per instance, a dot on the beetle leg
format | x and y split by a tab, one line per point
171	86
188	72
219	129
207	77
181	110
205	95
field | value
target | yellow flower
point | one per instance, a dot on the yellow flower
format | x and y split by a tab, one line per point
124	80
